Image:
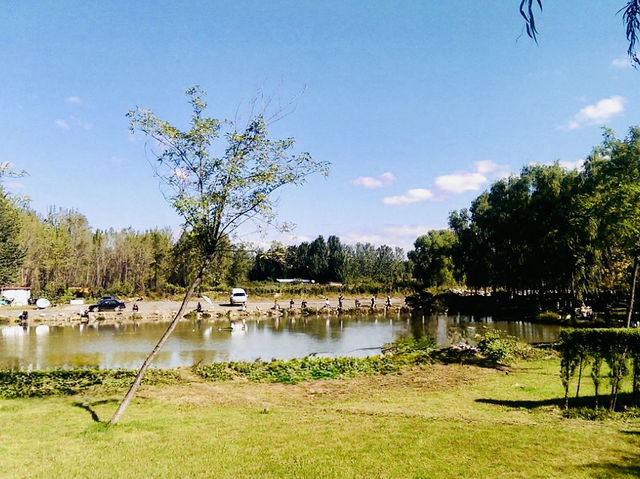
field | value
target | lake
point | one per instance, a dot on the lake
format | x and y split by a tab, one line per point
126	345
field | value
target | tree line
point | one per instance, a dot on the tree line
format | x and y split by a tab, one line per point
546	231
333	261
58	253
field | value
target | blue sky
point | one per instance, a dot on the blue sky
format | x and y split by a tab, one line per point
417	105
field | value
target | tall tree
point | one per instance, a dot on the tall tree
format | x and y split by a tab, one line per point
613	175
217	188
11	254
432	258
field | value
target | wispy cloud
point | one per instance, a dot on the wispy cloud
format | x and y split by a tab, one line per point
621	63
453	183
116	159
73	99
415	195
567	165
13	185
62	124
598	113
391	235
374	182
81	123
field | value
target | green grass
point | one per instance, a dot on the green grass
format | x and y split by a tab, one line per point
429	421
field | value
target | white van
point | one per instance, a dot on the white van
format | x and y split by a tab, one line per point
238	296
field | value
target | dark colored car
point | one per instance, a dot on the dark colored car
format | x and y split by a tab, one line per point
107	303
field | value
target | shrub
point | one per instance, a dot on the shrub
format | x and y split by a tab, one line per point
549	317
501	348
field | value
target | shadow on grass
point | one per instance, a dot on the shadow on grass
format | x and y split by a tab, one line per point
527	404
626	466
624	401
88	407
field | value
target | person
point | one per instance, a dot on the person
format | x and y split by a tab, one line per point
373	301
303	305
357	302
340	299
388	301
199	307
326	303
291	303
244	306
24	316
135	307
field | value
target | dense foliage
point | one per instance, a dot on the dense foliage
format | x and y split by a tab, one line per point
549	231
332	261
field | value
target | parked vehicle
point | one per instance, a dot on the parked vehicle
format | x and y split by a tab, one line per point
107	303
238	296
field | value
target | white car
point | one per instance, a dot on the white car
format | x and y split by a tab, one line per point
238	296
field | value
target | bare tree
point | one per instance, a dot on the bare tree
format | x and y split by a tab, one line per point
218	176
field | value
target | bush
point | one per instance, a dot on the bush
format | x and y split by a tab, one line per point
502	348
549	317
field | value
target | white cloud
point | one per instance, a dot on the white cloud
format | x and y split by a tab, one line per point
62	124
453	183
598	113
460	182
416	195
487	166
571	165
73	99
371	182
406	230
391	235
13	186
621	63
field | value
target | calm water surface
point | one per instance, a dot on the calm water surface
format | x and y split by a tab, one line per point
126	345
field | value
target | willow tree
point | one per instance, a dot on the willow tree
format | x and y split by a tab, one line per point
630	18
217	175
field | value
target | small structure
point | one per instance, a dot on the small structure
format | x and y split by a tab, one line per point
16	295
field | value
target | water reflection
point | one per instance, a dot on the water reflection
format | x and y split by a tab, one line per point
126	345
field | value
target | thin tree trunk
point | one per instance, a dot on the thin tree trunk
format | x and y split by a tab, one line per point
634	394
579	378
136	382
633	289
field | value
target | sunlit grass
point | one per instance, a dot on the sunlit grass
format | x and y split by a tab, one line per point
431	421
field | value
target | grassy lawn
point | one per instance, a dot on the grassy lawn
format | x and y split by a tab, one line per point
432	421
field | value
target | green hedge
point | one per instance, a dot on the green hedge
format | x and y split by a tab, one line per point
619	349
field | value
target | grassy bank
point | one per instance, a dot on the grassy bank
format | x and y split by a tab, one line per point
426	421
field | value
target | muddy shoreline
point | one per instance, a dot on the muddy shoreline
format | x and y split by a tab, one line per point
164	311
